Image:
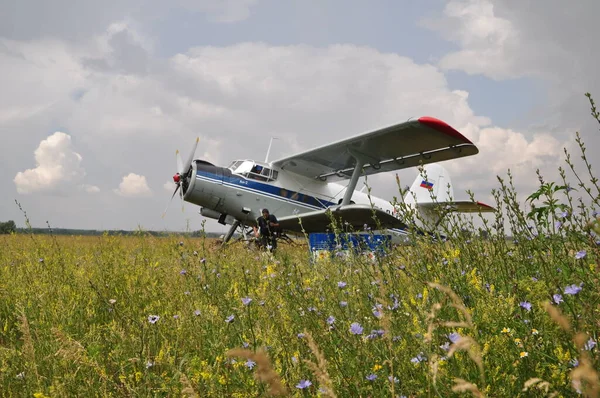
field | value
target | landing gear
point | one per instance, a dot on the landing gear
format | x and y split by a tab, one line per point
231	231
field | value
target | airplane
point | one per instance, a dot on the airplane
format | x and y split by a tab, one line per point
304	191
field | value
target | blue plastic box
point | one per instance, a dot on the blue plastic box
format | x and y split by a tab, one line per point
324	245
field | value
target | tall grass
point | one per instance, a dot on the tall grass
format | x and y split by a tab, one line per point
148	316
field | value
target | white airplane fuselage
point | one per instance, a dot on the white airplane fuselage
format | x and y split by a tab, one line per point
236	193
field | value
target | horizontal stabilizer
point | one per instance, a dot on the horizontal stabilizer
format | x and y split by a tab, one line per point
463	206
353	216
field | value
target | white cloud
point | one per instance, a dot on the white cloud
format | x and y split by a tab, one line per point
135	115
58	168
133	185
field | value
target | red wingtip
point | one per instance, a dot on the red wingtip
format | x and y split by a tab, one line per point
442	127
486	206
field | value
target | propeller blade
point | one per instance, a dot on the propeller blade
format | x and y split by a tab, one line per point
179	163
182	201
168	204
191	158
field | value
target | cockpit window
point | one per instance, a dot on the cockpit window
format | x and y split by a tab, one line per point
253	171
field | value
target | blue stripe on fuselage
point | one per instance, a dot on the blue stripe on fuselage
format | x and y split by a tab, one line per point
292	196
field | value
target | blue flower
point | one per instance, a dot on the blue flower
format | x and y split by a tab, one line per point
580	254
229	319
250	363
371	377
573	289
356	328
330	320
342	285
153	319
557	298
246	300
453	337
526	305
303	384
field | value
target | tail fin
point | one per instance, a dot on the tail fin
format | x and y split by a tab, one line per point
434	186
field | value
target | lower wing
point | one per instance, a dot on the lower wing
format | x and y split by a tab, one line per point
354	217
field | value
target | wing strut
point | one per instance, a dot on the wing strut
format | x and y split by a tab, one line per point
354	179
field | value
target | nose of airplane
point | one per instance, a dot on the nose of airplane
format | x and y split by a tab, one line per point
179	178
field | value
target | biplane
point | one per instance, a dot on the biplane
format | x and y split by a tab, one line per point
309	190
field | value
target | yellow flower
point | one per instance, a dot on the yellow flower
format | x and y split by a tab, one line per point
535	332
377	367
523	354
506	330
518	342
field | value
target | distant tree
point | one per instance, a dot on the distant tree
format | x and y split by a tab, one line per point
8	227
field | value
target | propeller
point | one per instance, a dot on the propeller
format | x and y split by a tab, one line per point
182	170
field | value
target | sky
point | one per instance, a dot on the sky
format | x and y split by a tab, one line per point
97	96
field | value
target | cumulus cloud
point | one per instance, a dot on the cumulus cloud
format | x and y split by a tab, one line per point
236	97
133	185
58	168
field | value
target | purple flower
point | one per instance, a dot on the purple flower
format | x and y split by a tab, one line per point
250	364
453	337
303	384
301	335
183	272
557	224
153	319
418	358
526	305
355	328
564	214
197	312
573	289
246	300
343	303
371	377
330	320
580	254
229	319
590	344
342	285
557	298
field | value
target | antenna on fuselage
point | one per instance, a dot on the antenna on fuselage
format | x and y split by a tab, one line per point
269	150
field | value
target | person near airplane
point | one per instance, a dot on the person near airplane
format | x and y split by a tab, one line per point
267	230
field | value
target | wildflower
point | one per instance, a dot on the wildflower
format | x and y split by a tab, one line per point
574	362
393	379
535	332
590	344
343	303
356	328
250	364
197	312
518	342
445	346
153	319
246	300
557	224
203	260
377	367
149	364
301	335
112	301
564	214
580	254
303	384
523	354
526	305
330	320
183	272
175	316
229	319
557	298
342	285
419	358
454	337
371	377
506	330
573	289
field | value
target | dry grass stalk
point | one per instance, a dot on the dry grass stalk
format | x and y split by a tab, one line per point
584	377
264	371
557	317
536	382
187	390
319	369
464	386
28	349
456	302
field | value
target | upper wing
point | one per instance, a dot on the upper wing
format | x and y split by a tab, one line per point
396	147
354	216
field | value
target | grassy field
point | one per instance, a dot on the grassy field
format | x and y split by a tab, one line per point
147	316
165	316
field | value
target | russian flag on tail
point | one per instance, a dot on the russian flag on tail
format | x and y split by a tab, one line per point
427	184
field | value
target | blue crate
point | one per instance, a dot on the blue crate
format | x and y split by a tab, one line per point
323	245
